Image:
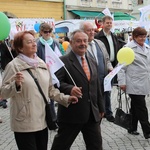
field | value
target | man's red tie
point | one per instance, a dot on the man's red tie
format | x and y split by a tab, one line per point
85	67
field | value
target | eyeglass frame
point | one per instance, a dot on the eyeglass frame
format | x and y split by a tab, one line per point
45	32
142	36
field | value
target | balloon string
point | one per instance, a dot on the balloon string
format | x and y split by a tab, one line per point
12	56
124	64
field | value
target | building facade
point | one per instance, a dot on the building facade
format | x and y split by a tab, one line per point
64	9
139	4
33	8
75	9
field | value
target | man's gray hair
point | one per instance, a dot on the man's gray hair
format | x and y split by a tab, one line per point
81	27
83	23
74	32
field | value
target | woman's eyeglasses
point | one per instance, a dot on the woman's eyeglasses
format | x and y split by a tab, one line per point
142	36
45	32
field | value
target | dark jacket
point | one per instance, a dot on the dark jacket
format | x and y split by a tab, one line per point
5	56
121	42
41	49
91	101
100	36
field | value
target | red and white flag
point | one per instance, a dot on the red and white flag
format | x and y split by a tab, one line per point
53	62
107	12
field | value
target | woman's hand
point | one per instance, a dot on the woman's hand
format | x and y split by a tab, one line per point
123	87
101	114
73	99
19	78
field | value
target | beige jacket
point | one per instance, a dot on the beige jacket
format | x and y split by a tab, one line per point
27	107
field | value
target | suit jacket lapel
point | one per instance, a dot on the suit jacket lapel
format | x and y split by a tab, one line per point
89	52
76	64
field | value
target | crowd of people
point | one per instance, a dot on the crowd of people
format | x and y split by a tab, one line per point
82	101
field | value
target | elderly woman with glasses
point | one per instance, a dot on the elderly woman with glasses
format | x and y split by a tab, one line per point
27	107
135	80
46	37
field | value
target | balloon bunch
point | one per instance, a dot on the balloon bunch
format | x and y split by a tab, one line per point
4	26
125	56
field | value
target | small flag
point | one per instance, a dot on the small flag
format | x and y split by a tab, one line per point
53	61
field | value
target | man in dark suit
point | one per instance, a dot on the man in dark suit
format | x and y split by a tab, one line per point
86	115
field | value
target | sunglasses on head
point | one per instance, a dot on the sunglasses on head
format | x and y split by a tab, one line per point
47	32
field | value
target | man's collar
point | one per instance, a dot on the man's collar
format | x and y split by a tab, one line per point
106	33
92	42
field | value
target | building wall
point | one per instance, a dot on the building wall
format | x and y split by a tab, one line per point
33	9
98	5
136	6
122	5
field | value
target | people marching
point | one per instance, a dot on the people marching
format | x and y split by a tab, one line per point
82	101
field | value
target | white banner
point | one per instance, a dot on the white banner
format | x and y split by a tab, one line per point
109	77
145	16
123	25
28	24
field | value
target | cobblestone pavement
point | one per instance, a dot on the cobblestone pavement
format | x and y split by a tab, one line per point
114	137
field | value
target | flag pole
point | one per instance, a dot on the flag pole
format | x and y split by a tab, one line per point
98	15
70	75
9	50
12	56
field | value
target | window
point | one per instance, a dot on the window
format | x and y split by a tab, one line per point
116	1
140	2
101	1
86	0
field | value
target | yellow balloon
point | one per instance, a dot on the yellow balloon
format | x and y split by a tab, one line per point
65	45
125	56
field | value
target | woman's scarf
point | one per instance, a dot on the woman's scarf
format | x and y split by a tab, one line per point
49	41
30	61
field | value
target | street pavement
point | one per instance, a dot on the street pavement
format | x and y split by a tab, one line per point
114	137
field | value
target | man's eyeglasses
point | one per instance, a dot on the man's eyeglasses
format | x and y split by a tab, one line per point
45	32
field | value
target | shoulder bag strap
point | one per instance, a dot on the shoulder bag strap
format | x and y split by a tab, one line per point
119	98
39	87
127	103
